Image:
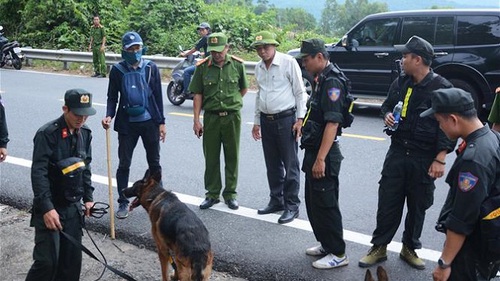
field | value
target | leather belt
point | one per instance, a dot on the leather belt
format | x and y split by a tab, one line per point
220	113
279	115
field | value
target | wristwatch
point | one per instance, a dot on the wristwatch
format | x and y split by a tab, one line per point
442	264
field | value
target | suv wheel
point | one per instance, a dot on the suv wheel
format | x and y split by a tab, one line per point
308	81
466	86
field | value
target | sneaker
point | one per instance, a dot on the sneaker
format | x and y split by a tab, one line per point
375	255
331	261
411	258
316	251
122	211
95	75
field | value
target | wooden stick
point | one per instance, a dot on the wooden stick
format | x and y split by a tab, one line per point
110	187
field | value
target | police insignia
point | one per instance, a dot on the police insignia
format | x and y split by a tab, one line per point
466	181
334	94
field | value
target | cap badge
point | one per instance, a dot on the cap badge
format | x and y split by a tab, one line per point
84	99
214	40
258	38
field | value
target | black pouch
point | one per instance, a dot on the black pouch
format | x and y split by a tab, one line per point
312	133
71	178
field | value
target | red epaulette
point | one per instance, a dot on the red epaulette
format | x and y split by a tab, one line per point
201	61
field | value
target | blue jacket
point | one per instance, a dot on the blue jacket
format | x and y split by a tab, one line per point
155	103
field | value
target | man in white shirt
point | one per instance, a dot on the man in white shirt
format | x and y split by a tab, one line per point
280	107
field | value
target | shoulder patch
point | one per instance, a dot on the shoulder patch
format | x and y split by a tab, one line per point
334	94
466	181
237	58
201	61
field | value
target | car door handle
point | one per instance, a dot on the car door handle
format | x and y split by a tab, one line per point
379	55
440	54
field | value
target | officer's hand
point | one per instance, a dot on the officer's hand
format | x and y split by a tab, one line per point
163	132
440	274
436	170
256	132
3	154
88	206
389	119
182	54
51	220
198	128
106	121
318	169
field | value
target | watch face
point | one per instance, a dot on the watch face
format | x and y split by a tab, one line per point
442	264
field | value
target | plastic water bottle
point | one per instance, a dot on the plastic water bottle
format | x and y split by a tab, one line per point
396	113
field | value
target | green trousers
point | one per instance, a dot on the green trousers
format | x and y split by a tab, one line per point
99	60
221	131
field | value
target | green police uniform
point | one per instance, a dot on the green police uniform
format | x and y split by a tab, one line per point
222	101
98	34
494	116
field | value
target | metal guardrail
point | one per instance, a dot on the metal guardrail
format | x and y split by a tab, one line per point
86	57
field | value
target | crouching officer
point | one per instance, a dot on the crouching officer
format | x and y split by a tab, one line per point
322	155
60	177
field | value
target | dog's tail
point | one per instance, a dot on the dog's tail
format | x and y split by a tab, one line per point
201	263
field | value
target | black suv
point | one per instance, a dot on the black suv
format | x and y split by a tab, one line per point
466	43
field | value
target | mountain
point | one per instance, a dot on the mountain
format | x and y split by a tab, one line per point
394	5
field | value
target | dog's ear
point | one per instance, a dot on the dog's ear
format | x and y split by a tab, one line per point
382	274
368	276
156	175
146	175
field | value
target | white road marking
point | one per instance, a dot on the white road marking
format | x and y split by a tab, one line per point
350	236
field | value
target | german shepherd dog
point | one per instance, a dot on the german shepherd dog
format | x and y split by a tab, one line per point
381	275
175	228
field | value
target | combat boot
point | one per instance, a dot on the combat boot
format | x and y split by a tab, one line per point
411	258
377	253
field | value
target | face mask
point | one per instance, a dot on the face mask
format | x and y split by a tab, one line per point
131	58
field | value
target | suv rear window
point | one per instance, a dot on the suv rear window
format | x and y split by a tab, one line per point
474	30
426	27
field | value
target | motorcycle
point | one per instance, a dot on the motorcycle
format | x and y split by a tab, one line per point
11	53
176	86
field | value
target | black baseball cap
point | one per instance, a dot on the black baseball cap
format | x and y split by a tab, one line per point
311	47
449	100
418	46
79	101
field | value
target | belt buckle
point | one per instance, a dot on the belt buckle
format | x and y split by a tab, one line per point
223	113
270	117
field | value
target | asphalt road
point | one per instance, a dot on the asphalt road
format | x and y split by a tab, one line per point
245	244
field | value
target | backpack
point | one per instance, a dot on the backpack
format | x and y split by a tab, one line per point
136	87
348	97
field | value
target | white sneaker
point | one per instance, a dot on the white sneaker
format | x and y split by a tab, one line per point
316	251
330	261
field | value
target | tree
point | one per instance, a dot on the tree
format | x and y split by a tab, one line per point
328	15
353	11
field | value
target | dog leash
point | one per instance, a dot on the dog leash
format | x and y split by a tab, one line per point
98	210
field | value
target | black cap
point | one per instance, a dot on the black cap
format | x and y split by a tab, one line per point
79	101
417	46
450	100
311	47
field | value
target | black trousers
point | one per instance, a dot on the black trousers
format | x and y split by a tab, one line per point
322	201
282	163
467	267
149	133
55	257
404	178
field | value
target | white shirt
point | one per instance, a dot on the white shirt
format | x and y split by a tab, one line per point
280	87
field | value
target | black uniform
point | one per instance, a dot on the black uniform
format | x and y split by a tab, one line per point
414	145
55	258
4	133
472	178
321	195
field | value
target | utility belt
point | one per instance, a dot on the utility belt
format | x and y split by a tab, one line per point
220	113
67	180
279	115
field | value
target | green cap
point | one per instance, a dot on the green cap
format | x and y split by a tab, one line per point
311	47
217	42
264	38
79	101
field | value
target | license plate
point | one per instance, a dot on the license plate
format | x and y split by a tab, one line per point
17	50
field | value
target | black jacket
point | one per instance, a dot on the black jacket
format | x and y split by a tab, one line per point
4	133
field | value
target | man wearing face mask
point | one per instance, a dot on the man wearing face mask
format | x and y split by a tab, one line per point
135	85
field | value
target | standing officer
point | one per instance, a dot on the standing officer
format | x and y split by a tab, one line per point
4	133
61	178
415	158
280	107
97	46
322	156
472	178
219	84
202	45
